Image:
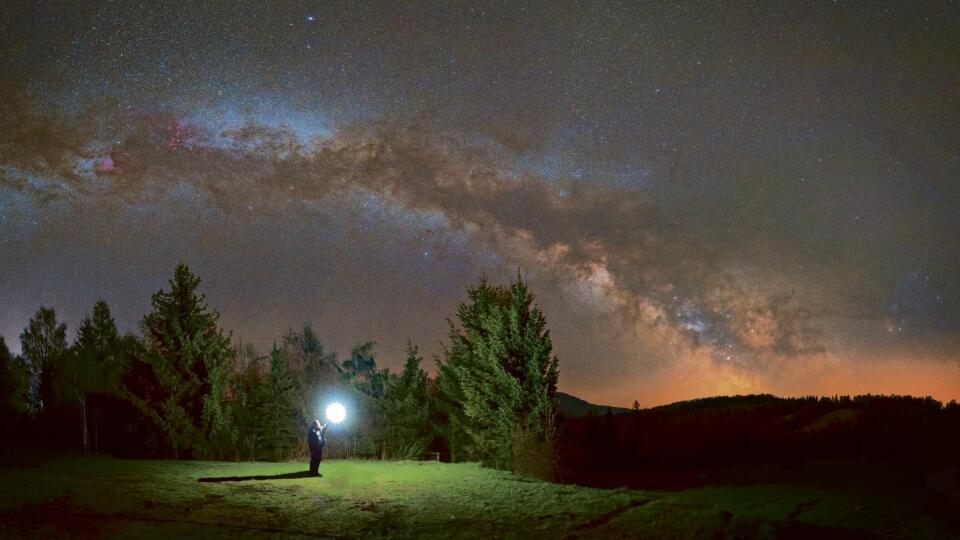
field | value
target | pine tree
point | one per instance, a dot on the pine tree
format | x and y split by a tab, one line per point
44	343
497	385
528	347
451	373
246	392
278	401
188	357
91	366
406	409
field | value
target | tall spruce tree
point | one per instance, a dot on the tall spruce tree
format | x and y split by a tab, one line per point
44	343
92	365
406	409
188	356
497	385
281	428
246	407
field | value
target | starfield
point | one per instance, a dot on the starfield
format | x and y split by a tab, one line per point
479	269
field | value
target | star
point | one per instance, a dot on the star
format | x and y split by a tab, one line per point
530	143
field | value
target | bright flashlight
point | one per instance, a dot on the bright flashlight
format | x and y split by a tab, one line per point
336	413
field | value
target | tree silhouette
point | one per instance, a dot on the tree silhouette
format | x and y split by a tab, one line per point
44	343
91	366
14	385
187	355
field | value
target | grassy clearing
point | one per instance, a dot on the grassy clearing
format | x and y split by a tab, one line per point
102	497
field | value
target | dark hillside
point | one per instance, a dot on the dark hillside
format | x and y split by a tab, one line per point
574	407
758	430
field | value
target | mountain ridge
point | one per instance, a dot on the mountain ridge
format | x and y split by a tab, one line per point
573	407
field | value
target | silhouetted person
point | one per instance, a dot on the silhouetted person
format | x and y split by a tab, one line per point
315	440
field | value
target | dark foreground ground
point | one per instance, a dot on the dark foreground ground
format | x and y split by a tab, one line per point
97	497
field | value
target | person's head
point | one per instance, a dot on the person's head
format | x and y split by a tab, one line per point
316	423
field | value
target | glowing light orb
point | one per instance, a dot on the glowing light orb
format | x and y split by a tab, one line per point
336	413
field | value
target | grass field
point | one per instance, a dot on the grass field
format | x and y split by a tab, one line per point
96	497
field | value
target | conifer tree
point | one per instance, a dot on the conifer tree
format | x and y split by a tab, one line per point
281	427
91	366
406	409
450	374
188	356
497	385
246	408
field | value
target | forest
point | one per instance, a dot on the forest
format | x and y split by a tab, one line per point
184	388
692	442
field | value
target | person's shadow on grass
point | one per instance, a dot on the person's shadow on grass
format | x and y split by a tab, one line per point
285	476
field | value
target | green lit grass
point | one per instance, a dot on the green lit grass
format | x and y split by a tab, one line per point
102	497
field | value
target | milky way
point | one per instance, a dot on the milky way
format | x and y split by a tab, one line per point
764	198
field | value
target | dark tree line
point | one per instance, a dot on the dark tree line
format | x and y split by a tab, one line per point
761	429
182	387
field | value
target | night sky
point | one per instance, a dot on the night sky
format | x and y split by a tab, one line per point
706	199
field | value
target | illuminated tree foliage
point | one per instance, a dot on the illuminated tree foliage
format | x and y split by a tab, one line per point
364	385
360	370
245	397
406	409
281	427
315	371
497	386
185	365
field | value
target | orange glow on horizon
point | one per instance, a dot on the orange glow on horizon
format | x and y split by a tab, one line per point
699	375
